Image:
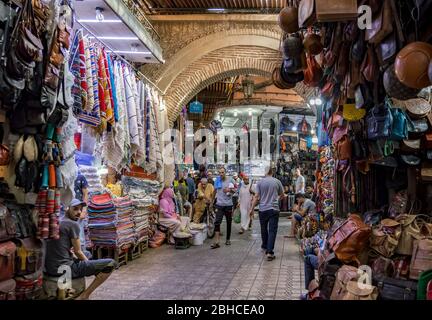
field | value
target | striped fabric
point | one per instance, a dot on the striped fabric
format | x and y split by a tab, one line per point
89	79
77	91
108	90
131	110
113	86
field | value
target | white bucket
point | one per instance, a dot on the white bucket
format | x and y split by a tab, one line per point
198	238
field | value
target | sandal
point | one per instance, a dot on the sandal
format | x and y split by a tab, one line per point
228	243
271	257
215	246
241	231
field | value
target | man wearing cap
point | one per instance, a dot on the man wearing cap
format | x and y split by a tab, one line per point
67	251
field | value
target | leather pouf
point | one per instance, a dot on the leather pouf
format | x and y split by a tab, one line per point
412	63
288	19
292	46
395	88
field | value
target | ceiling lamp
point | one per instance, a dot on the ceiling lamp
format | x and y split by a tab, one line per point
294	128
235	113
248	87
318	101
99	15
250	113
312	101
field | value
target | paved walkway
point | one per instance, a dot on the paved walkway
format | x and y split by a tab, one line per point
236	272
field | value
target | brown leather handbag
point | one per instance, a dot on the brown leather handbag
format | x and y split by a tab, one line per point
7	260
350	239
4	155
383	266
410	231
344	148
421	257
382	25
344	275
312	44
7	224
29	47
313	73
369	66
385	238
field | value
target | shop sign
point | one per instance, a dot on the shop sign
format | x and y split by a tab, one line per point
196	107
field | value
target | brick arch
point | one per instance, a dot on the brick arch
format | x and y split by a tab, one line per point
215	66
220	64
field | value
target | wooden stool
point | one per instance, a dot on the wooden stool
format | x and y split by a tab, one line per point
182	243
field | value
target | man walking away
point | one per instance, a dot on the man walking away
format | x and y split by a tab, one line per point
300	182
224	206
191	187
268	192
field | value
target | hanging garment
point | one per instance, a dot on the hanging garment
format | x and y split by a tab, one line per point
131	111
93	117
140	154
113	86
88	76
108	90
77	67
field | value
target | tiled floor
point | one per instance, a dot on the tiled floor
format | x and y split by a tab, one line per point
236	272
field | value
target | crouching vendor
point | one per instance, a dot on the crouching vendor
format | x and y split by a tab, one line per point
67	251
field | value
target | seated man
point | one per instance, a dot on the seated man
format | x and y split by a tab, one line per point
310	265
205	195
303	208
59	253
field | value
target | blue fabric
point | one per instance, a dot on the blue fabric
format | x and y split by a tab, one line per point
191	185
310	265
83	159
218	183
298	217
269	221
113	87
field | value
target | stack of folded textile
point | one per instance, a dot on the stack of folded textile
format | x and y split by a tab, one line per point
93	178
125	223
144	194
102	220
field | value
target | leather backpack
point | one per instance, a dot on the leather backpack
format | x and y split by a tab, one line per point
379	123
7	260
385	238
421	258
327	275
344	275
411	230
350	239
7	224
29	256
400	125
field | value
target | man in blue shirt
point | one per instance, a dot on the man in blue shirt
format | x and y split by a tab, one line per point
224	206
191	187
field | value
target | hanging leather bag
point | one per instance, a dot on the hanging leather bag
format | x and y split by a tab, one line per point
421	258
382	25
29	256
7	224
29	47
313	73
350	239
327	275
379	123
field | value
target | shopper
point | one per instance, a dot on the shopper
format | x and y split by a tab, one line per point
210	178
180	186
300	182
168	216
224	206
191	187
237	183
81	188
58	252
245	204
303	208
268	192
205	195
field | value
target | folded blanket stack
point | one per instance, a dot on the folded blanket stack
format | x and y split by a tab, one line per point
103	223
144	194
125	223
93	178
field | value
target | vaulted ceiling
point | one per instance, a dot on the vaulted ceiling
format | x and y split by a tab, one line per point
202	6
